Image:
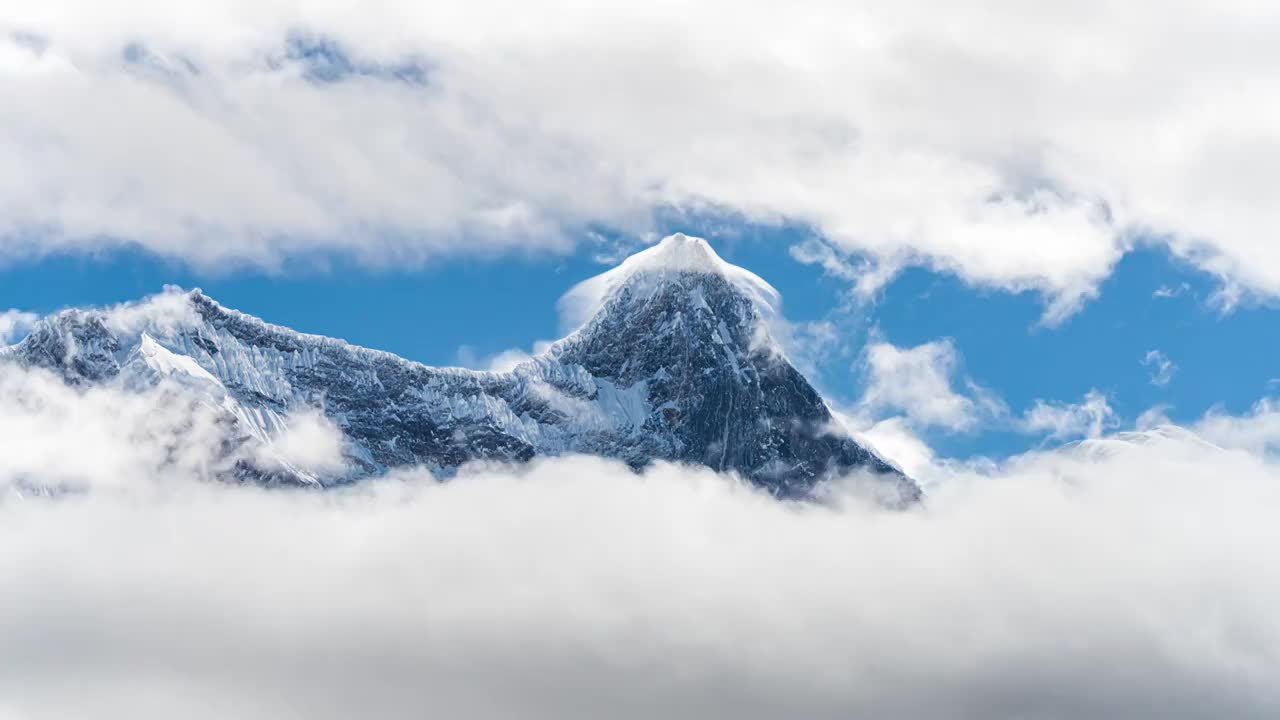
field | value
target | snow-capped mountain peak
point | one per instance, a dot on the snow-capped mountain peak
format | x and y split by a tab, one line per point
680	252
673	363
677	257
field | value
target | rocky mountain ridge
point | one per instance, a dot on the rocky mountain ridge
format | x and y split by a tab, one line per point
674	361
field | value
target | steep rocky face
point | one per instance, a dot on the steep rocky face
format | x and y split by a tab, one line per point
675	363
718	392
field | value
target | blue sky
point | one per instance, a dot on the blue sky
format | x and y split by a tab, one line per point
463	310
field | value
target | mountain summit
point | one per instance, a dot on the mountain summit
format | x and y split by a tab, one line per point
672	359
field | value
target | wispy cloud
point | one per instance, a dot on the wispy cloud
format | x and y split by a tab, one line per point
918	382
1257	431
501	361
1161	367
925	385
1171	291
1089	418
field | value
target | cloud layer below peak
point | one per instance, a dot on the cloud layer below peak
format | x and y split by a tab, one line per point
1117	579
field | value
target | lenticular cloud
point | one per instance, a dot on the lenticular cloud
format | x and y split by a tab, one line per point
1126	577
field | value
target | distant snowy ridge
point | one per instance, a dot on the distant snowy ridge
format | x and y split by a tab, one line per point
1170	438
674	361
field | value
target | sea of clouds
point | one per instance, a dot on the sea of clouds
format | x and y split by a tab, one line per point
1115	579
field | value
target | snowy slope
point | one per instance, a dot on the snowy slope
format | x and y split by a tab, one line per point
672	360
1169	438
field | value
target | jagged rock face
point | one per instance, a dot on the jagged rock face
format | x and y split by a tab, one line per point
77	344
676	364
718	392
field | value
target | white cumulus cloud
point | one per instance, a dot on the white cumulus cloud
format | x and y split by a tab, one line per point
1257	431
1020	147
1089	418
918	382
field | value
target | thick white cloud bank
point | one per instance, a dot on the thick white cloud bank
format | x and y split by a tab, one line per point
1018	146
1117	579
